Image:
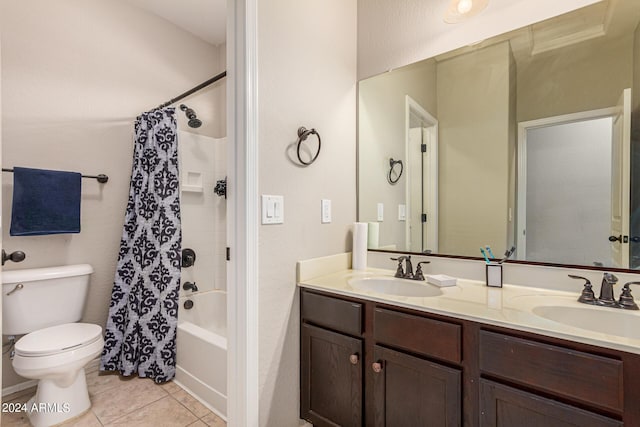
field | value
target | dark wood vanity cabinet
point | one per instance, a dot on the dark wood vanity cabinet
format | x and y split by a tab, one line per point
331	359
370	364
332	378
411	391
347	348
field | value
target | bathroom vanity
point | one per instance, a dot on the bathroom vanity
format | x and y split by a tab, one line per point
472	356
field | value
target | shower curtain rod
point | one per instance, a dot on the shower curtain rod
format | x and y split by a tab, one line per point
193	90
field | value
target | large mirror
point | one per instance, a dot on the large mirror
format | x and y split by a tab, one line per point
521	140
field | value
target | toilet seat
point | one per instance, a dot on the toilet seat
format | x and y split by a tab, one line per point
58	339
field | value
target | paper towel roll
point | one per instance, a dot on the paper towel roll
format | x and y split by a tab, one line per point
374	235
360	236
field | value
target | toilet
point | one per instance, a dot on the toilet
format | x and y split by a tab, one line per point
46	304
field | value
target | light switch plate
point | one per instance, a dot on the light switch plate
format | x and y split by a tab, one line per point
272	209
325	211
402	212
380	211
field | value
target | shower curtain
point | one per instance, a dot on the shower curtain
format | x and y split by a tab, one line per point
140	336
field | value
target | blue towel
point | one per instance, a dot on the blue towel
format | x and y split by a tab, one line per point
45	202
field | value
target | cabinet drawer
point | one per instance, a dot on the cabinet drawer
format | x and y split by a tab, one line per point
506	406
334	313
435	338
580	376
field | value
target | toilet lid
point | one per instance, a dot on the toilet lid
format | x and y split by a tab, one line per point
58	339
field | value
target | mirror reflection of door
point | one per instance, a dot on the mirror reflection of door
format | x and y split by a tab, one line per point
574	174
620	190
422	183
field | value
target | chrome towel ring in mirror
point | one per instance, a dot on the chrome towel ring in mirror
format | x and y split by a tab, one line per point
303	134
392	166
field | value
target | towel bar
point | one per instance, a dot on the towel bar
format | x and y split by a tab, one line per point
102	178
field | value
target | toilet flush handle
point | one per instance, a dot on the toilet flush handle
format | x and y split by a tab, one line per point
16	288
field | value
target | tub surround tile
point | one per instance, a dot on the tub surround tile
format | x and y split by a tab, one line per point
191	403
198	423
131	395
165	412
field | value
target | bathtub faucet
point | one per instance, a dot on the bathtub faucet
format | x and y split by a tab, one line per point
190	286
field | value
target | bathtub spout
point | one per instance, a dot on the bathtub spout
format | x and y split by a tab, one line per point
190	286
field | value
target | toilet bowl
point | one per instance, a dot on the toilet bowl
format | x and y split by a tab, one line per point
56	356
44	304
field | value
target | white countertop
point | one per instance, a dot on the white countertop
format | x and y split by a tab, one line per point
510	306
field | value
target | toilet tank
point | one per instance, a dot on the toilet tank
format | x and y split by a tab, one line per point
48	296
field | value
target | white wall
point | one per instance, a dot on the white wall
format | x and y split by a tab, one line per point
74	76
307	77
392	34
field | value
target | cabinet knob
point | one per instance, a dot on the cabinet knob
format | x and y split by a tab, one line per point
354	359
377	367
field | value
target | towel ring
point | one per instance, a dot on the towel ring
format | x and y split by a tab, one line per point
303	134
392	166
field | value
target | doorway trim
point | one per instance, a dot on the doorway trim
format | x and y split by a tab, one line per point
523	128
431	129
242	214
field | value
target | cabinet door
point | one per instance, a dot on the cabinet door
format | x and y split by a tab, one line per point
502	406
410	391
331	378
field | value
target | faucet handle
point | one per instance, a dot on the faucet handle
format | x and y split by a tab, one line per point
399	270
587	296
626	299
419	275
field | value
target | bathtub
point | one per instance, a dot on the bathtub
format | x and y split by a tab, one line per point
202	349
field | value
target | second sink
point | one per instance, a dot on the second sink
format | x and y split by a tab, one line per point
604	320
395	286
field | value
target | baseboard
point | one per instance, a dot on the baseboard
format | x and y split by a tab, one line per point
19	387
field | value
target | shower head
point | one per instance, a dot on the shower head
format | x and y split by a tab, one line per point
194	122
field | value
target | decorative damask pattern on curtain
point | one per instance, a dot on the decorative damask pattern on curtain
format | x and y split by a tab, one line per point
140	336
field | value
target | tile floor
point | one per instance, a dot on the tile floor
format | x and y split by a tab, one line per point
128	402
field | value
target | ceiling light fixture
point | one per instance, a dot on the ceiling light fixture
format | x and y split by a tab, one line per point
459	10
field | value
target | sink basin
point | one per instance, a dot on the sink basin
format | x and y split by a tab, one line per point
395	286
604	320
